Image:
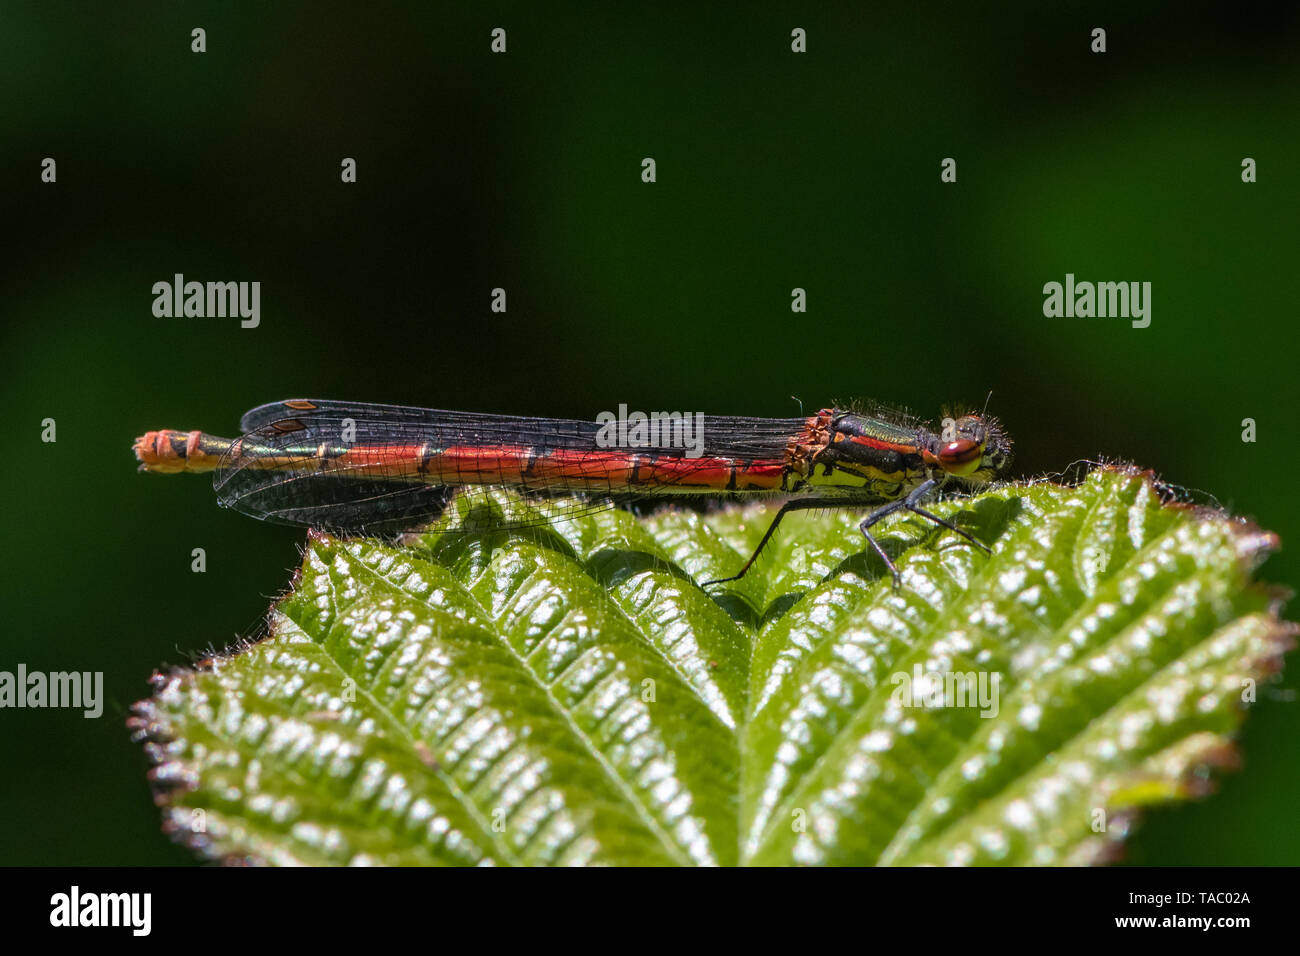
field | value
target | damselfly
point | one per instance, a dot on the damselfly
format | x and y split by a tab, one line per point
380	469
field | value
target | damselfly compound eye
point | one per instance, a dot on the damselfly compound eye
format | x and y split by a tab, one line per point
960	457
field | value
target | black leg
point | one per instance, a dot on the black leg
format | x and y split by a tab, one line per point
798	504
952	527
909	503
884	511
912	503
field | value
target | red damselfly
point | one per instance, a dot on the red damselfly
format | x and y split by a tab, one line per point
356	468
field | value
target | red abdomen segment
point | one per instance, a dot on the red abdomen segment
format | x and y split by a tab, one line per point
606	472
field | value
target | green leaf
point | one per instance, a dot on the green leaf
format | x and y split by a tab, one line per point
568	694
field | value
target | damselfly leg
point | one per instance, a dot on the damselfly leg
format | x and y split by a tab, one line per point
798	504
912	503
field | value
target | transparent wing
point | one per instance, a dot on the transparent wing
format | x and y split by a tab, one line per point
384	469
725	436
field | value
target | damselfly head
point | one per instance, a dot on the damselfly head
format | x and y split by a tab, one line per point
973	448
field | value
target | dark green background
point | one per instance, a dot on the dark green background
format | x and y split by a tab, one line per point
775	170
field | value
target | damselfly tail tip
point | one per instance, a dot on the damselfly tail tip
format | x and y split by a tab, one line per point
168	451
